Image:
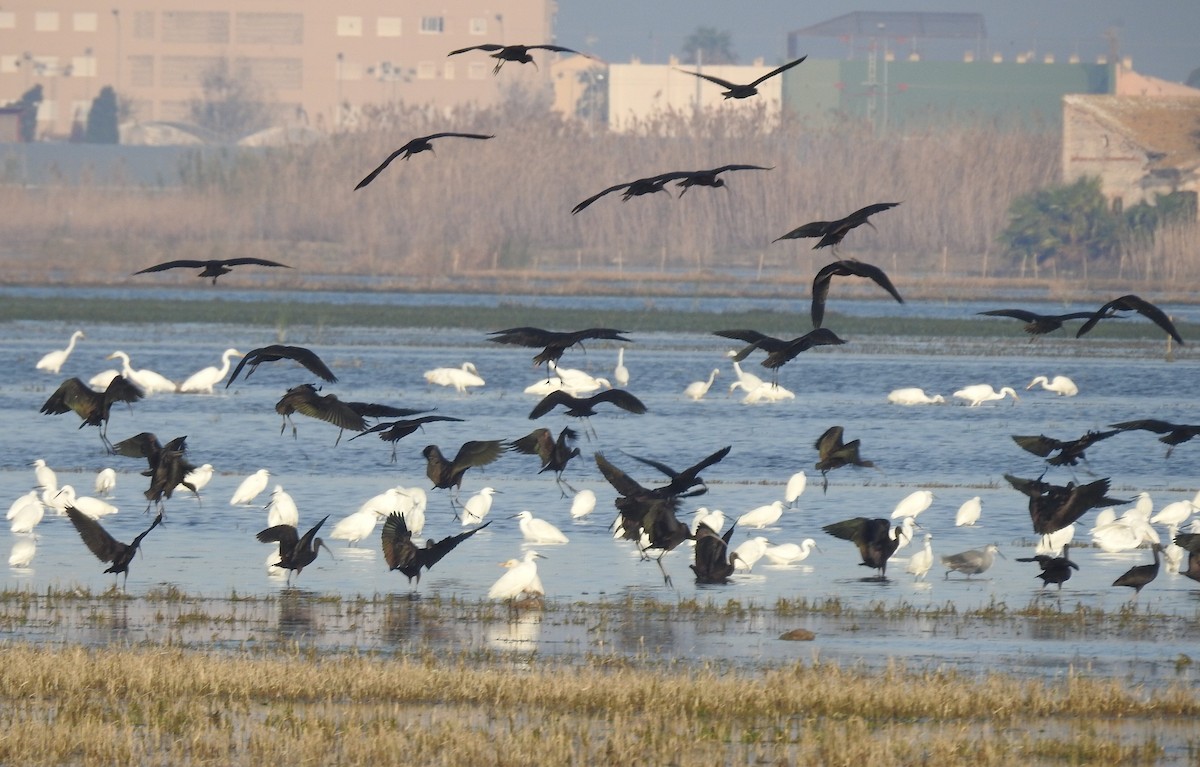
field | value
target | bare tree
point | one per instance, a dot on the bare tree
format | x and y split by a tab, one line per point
232	104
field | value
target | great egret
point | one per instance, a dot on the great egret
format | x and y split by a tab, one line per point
748	381
104	546
762	516
281	509
18	506
972	561
147	380
415	146
537	530
477	506
977	394
786	554
750	551
913	396
461	378
576	381
1137	577
521	579
52	362
101	380
968	513
23	550
250	487
582	504
832	232
91	507
202	381
106	480
919	563
763	393
620	372
737	91
1060	385
697	389
295	552
355	527
913	504
518	54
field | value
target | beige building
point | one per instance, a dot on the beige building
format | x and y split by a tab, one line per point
320	63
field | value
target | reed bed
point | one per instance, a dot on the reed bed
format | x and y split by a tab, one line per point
146	705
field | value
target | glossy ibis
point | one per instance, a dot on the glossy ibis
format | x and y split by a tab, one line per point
295	551
845	268
736	91
876	540
276	352
93	407
518	54
104	546
415	146
402	554
832	232
213	267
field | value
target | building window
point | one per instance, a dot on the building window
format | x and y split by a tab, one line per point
448	70
83	66
8	20
45	21
9	65
478	26
433	25
388	26
477	70
426	70
349	26
143	25
84	22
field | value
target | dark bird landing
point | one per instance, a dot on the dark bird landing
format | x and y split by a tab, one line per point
1054	569
214	268
845	268
167	464
515	53
295	552
555	454
636	188
735	91
553	343
104	546
305	400
832	232
276	352
1173	434
1190	542
1070	451
583	407
73	395
402	554
1136	578
709	177
394	431
1053	507
833	453
779	351
714	560
683	482
876	540
448	475
415	146
1132	303
1038	324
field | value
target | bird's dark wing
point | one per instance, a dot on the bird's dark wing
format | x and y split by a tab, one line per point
1132	303
121	389
620	481
557	48
398	548
483	47
138	540
142	445
285	535
1189	542
604	334
621	399
478	453
458	135
860	216
1146	424
665	469
1016	314
598	195
829	441
305	357
433	552
749	336
811	229
710	78
776	71
331	410
523	336
727	168
96	538
70	395
539	442
186	263
305	541
371	176
847	529
1039	445
394	431
372	410
551	401
255	261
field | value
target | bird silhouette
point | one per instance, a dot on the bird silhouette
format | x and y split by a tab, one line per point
394	431
636	188
709	177
104	546
553	343
833	453
1038	324
735	91
1053	569
1173	433
1190	542
832	232
93	407
779	351
516	53
402	554
1131	303
1053	507
276	352
1070	452
876	540
448	474
555	454
715	560
845	268
213	267
306	400
583	407
688	482
168	467
1137	577
415	146
296	552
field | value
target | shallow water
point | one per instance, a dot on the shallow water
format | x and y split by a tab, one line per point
208	548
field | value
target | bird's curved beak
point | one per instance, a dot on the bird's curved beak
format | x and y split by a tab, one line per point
321	544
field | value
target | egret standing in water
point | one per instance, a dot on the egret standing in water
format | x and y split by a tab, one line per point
968	514
521	579
919	563
696	390
1060	385
250	487
539	530
52	362
477	506
203	381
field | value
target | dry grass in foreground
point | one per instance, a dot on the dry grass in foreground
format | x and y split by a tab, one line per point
173	706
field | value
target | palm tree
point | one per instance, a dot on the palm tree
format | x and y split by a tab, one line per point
708	45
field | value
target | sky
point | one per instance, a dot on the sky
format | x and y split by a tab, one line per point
1162	36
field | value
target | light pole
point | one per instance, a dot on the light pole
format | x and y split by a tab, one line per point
337	115
117	24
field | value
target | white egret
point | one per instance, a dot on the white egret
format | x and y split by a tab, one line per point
748	381
461	378
968	513
281	509
22	501
582	504
90	507
913	396
521	579
1060	385
919	563
977	394
1174	513
790	553
411	504
1052	544
903	532
795	486
25	513
199	477
101	380
1173	552
1123	535
250	487
53	361
696	390
545	386
202	381
538	530
913	504
577	381
147	380
749	552
766	392
621	373
106	480
760	517
22	552
971	562
714	519
477	506
46	478
355	527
